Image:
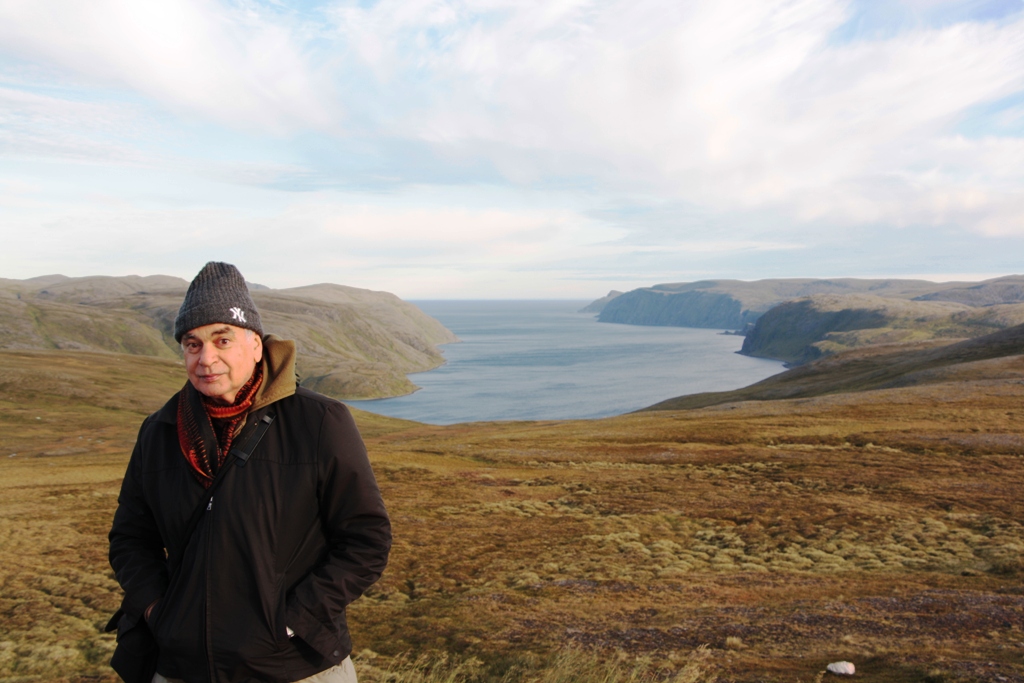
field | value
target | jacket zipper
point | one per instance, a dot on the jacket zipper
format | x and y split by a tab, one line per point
206	606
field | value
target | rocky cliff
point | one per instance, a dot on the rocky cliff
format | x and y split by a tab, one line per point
798	320
598	305
735	304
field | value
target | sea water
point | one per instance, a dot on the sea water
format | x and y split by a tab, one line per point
543	360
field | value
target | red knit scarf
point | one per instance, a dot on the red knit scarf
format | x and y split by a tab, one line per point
216	420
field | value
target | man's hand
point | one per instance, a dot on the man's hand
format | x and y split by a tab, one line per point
145	615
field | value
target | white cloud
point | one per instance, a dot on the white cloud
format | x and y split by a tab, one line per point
746	128
42	126
196	57
723	104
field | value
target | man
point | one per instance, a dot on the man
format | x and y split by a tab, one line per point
292	534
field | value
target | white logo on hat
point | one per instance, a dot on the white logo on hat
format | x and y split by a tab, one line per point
237	314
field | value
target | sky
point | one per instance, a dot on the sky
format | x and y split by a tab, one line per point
475	149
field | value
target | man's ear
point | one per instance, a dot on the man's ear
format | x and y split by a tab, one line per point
257	348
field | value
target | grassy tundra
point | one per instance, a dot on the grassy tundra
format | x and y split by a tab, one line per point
883	527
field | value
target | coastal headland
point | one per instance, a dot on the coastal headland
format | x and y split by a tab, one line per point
800	319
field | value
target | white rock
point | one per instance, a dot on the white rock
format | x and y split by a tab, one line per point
841	668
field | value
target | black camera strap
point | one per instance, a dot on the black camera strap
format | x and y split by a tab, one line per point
257	425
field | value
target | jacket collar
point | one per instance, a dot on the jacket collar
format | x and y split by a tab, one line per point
278	372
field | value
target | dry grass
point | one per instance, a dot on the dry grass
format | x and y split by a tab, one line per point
571	665
880	527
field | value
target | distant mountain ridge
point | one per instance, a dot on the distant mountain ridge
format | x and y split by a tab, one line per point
353	343
740	301
798	320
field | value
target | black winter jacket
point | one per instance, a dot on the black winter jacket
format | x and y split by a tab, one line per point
289	540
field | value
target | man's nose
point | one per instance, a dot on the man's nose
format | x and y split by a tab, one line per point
208	355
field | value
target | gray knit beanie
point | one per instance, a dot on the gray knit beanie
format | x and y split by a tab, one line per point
218	294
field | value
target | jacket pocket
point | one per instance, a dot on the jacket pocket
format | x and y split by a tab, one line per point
136	654
177	623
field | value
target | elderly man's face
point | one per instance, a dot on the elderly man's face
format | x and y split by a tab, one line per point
220	358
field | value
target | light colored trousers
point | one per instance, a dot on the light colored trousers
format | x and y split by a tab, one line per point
343	673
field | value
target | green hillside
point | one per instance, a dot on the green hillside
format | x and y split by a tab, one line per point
353	343
996	356
803	330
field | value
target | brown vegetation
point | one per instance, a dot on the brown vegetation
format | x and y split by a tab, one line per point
882	527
